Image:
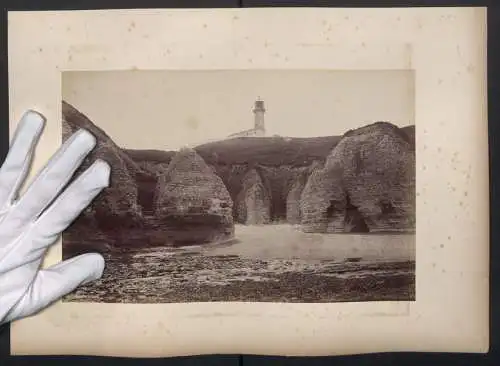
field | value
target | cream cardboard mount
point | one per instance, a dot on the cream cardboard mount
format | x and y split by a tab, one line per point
445	49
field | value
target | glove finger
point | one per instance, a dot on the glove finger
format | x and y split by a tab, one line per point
57	217
57	281
69	205
16	165
53	177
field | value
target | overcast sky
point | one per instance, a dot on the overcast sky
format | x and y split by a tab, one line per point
170	109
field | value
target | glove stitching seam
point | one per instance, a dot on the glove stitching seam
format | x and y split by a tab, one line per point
64	193
14	244
21	297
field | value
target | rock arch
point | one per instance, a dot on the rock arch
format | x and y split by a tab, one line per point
381	182
367	184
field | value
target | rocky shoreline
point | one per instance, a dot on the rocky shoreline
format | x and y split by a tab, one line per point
170	275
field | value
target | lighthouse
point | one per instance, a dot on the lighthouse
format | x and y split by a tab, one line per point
259	124
259	128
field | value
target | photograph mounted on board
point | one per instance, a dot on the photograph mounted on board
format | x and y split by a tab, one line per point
252	185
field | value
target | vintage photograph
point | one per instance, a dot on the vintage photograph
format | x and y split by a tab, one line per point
247	185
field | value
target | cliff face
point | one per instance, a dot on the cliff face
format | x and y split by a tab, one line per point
192	202
367	183
117	206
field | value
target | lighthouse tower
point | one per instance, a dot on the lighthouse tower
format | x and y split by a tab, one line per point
259	124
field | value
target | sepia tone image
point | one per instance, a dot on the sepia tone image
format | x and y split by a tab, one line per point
251	185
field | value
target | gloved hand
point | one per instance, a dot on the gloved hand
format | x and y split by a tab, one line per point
31	223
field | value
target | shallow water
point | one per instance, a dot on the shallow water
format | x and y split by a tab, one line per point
286	242
264	263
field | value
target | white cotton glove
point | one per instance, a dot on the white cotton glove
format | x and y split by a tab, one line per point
31	223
